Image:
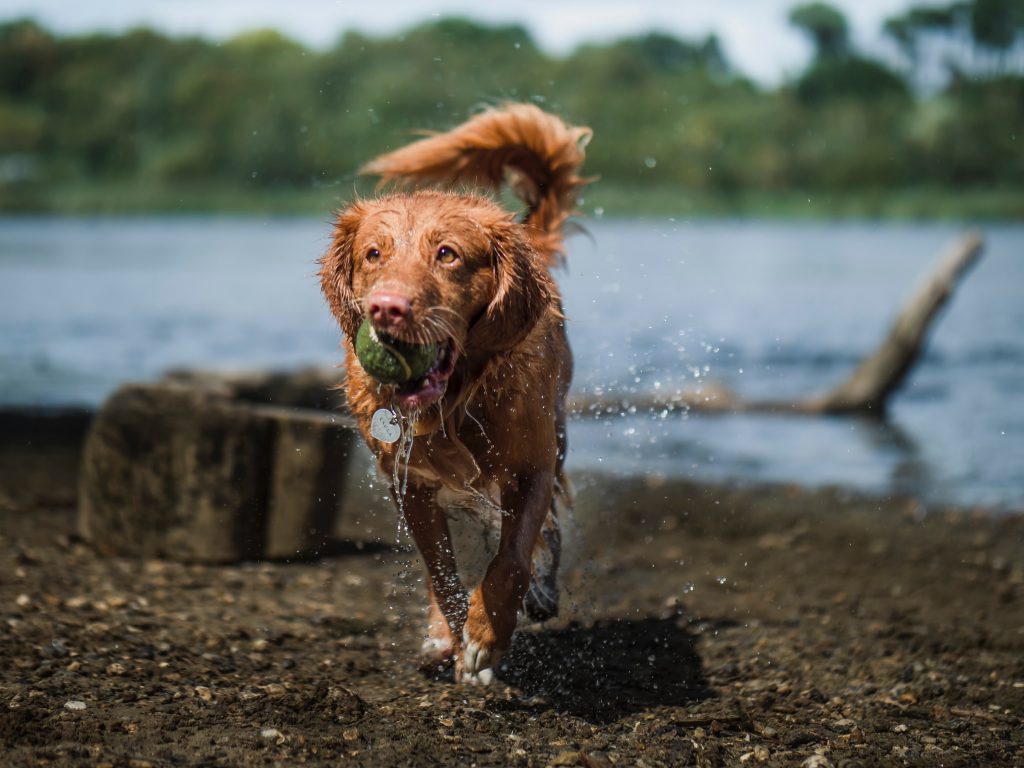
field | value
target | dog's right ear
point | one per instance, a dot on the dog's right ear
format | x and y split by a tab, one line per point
336	267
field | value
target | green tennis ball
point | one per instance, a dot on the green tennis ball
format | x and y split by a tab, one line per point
389	360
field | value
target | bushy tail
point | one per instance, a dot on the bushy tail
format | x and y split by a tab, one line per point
536	153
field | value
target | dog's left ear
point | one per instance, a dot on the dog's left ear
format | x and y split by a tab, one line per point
523	290
336	268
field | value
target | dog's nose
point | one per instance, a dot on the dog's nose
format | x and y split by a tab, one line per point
388	309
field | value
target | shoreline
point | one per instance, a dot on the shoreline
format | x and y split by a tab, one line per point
35	439
602	200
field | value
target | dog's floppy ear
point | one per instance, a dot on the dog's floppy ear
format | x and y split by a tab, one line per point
336	268
523	290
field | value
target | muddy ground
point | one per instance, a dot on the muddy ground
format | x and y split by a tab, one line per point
701	626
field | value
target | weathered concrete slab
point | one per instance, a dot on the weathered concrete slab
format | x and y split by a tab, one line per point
317	388
189	473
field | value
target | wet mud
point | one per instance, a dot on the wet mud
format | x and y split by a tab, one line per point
700	626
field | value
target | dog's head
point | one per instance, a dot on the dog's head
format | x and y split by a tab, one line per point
435	267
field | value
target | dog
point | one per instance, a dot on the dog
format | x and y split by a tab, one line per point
484	428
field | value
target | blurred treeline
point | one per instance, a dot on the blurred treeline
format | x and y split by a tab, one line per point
142	121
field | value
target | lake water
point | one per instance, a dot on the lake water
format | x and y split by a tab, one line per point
770	309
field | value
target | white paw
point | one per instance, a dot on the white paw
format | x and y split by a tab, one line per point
435	647
478	661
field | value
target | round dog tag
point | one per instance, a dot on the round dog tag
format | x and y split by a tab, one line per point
384	426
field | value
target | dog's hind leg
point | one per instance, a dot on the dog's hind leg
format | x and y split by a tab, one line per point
541	601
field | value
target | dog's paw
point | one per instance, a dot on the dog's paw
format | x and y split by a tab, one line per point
478	660
437	653
437	650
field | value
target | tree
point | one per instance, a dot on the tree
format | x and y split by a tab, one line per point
997	24
826	26
965	37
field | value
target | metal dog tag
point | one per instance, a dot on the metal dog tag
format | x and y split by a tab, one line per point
384	426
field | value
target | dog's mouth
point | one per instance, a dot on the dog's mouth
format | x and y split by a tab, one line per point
429	388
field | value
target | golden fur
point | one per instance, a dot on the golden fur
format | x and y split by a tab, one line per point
489	422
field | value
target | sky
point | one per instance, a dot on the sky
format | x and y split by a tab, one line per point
754	33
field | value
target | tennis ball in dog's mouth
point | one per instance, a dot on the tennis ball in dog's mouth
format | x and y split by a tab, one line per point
389	360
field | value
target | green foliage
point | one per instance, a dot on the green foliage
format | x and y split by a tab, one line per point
260	122
976	36
850	77
997	23
826	26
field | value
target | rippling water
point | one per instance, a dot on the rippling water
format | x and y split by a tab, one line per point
771	309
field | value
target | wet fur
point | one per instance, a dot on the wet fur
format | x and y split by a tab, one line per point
497	436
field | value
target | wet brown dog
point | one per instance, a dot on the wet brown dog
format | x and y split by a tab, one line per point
484	429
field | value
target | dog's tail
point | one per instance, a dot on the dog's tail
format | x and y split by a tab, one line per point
536	153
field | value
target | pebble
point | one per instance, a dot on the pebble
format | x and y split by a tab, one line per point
74	705
57	649
272	734
204	693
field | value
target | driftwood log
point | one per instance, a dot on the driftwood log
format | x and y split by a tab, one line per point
866	391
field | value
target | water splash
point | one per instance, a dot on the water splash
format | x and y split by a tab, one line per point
400	467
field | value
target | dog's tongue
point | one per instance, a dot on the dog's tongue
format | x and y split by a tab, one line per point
425	392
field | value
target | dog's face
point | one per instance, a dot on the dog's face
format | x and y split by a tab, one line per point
435	267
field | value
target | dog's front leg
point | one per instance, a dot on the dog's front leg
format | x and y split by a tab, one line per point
494	605
429	528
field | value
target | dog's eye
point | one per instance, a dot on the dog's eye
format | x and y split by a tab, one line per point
446	255
372	255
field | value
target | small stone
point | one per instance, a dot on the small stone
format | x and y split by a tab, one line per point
272	734
350	734
597	760
204	693
74	705
116	669
901	728
846	724
567	758
23	601
56	649
447	722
